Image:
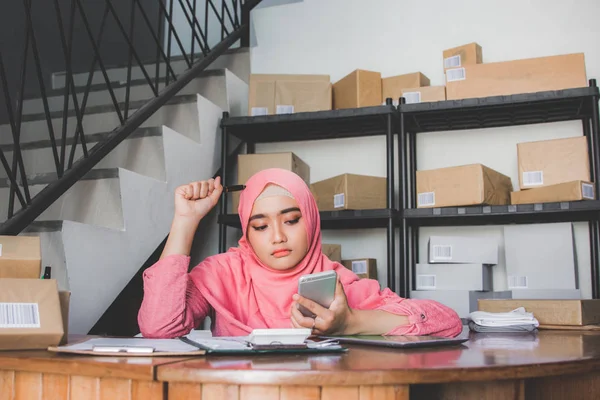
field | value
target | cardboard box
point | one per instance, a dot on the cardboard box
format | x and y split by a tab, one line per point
250	164
550	312
541	294
358	89
393	86
550	162
363	267
281	94
540	256
468	54
462	301
569	191
462	186
350	192
36	302
20	257
515	77
332	251
454	277
424	94
64	298
462	250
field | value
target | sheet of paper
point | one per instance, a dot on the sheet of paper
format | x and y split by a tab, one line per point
162	345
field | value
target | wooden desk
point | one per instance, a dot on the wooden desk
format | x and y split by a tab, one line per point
551	365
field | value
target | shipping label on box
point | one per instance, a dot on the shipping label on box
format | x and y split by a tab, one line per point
462	250
454	277
540	256
332	251
393	86
364	267
424	94
30	314
515	77
358	89
550	162
462	186
20	257
569	191
350	192
250	164
468	54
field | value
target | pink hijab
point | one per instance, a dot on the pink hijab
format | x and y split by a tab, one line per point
246	294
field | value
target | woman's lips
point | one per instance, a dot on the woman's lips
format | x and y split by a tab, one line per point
281	253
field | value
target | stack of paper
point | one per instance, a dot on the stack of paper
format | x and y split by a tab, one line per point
517	320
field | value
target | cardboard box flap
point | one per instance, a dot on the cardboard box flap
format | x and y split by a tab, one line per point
496	188
20	248
303	96
568	191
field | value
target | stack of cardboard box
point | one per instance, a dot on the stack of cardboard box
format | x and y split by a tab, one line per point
363	267
33	313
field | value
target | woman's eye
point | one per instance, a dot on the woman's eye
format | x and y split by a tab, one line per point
293	221
259	228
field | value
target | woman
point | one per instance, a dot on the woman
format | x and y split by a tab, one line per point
255	285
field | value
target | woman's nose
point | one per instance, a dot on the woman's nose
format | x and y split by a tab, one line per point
278	234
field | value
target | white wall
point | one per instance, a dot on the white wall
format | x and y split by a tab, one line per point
394	37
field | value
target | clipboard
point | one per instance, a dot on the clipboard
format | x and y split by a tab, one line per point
270	348
129	347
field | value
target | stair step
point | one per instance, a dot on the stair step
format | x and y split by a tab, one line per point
44	226
49	177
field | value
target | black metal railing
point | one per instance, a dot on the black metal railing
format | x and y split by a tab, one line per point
87	41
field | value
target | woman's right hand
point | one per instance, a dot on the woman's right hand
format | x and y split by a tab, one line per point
194	200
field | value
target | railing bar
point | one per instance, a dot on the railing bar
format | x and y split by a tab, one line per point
159	49
193	30
194	34
129	61
221	20
99	59
170	36
229	15
202	34
4	162
172	29
131	48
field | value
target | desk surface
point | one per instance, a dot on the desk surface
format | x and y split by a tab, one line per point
484	357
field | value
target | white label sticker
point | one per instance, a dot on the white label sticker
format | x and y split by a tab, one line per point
412	97
284	109
517	282
426	282
587	192
339	200
533	178
457	74
19	315
0	249
256	111
442	252
359	267
426	199
452	62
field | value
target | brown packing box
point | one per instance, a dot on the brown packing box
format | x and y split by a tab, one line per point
332	251
550	312
468	54
363	267
569	191
358	89
65	299
514	77
392	86
20	257
24	296
425	94
350	192
303	92
462	186
550	162
249	164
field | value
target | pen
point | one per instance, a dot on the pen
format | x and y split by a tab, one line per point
234	188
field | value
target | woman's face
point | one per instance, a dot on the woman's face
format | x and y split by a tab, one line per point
277	232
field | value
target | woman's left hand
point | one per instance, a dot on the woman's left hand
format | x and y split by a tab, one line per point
331	321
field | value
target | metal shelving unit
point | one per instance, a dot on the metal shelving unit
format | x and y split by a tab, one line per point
367	121
543	107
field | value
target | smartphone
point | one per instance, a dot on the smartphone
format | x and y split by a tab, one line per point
319	287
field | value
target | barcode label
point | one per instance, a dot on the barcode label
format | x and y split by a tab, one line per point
359	267
284	109
533	178
457	74
452	62
19	315
442	252
426	199
517	282
587	192
426	282
412	97
256	111
339	200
